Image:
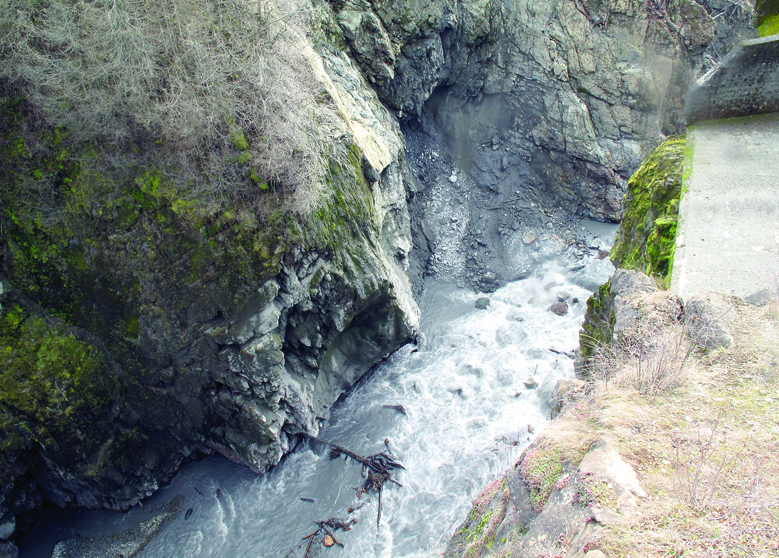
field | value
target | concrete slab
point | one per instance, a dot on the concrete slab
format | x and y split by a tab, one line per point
728	234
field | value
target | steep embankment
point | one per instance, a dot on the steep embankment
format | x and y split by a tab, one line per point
668	449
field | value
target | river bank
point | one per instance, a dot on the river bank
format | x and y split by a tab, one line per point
669	448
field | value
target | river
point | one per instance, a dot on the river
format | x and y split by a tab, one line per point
468	412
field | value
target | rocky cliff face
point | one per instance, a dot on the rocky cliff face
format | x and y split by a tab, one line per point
525	112
136	330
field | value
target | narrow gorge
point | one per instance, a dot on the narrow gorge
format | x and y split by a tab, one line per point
216	218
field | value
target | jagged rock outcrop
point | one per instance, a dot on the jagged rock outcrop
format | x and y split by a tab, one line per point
545	109
550	504
137	331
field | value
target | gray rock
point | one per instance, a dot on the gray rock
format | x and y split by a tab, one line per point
544	106
707	318
7	525
520	497
559	308
760	298
697	27
482	303
617	308
126	543
531	383
604	460
370	44
8	550
563	296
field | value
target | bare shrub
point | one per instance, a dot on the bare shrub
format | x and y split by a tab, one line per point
701	464
651	366
218	94
720	479
649	354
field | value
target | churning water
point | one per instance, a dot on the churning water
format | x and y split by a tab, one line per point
469	412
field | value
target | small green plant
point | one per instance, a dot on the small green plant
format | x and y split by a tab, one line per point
540	469
594	491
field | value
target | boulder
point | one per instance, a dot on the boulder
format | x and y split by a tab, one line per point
707	320
559	308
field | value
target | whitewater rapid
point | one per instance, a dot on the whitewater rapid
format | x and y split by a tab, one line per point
468	412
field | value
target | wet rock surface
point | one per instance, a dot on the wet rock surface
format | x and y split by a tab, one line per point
120	545
222	356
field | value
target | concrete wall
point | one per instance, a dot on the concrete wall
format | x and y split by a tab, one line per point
744	84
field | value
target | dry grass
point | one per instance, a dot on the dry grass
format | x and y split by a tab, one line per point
569	439
217	94
650	354
702	435
707	452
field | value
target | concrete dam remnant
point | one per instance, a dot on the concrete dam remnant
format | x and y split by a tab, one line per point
728	235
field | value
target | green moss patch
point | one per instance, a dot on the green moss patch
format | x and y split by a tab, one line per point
770	26
57	391
540	469
647	236
764	11
598	327
479	530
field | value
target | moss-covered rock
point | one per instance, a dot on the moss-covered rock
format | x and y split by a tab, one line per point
479	531
141	323
540	468
647	236
765	10
769	26
598	326
609	311
56	391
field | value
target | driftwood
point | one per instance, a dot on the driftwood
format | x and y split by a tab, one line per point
377	469
324	535
563	353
